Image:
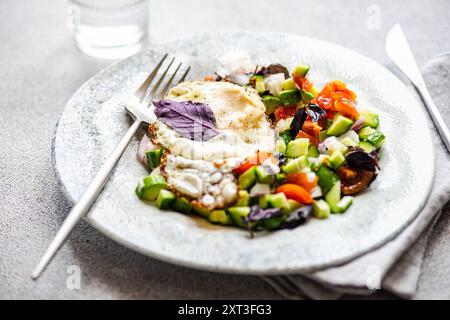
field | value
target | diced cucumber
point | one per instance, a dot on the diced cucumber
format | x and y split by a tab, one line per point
321	209
327	178
297	148
313	151
149	187
201	211
280	146
262	176
344	203
301	70
323	135
262	201
247	179
290	97
288	84
377	138
306	96
220	217
374	136
182	205
259	83
367	146
286	136
370	119
165	199
271	103
334	196
292	205
365	132
238	214
348	142
154	157
243	198
279	177
336	159
339	126
277	200
295	165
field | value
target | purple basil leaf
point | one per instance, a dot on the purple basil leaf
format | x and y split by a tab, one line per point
297	217
315	112
192	120
297	122
257	213
273	69
358	158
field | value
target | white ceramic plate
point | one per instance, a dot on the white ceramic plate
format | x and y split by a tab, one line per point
94	121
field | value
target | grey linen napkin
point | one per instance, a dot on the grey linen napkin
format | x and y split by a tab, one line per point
395	266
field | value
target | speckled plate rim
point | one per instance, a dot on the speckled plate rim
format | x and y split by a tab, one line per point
214	268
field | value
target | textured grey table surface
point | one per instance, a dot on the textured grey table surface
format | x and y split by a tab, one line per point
40	69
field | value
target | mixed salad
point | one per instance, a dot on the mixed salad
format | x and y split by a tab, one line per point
326	151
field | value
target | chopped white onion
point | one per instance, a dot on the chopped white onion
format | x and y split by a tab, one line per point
274	82
259	189
351	135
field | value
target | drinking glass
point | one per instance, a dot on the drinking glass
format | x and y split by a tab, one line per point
109	29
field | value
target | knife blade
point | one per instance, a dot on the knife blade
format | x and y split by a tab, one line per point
398	50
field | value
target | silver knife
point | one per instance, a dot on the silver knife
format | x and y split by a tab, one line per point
398	50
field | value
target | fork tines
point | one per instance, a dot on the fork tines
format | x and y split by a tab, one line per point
155	93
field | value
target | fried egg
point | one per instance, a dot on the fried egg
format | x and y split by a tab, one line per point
202	170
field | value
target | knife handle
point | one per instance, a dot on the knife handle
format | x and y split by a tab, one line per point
435	115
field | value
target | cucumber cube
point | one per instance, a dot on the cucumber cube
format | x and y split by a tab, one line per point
336	159
290	97
370	119
376	138
182	205
301	70
306	96
286	136
154	158
321	209
344	203
367	146
165	199
220	217
292	205
313	151
201	211
365	132
277	200
262	176
327	178
295	165
238	214
247	179
271	103
348	142
279	177
339	126
149	187
333	197
243	198
280	146
297	148
258	81
288	84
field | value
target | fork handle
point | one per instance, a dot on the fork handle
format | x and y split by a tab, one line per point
86	200
435	115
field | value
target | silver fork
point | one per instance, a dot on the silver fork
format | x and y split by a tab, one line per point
138	107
